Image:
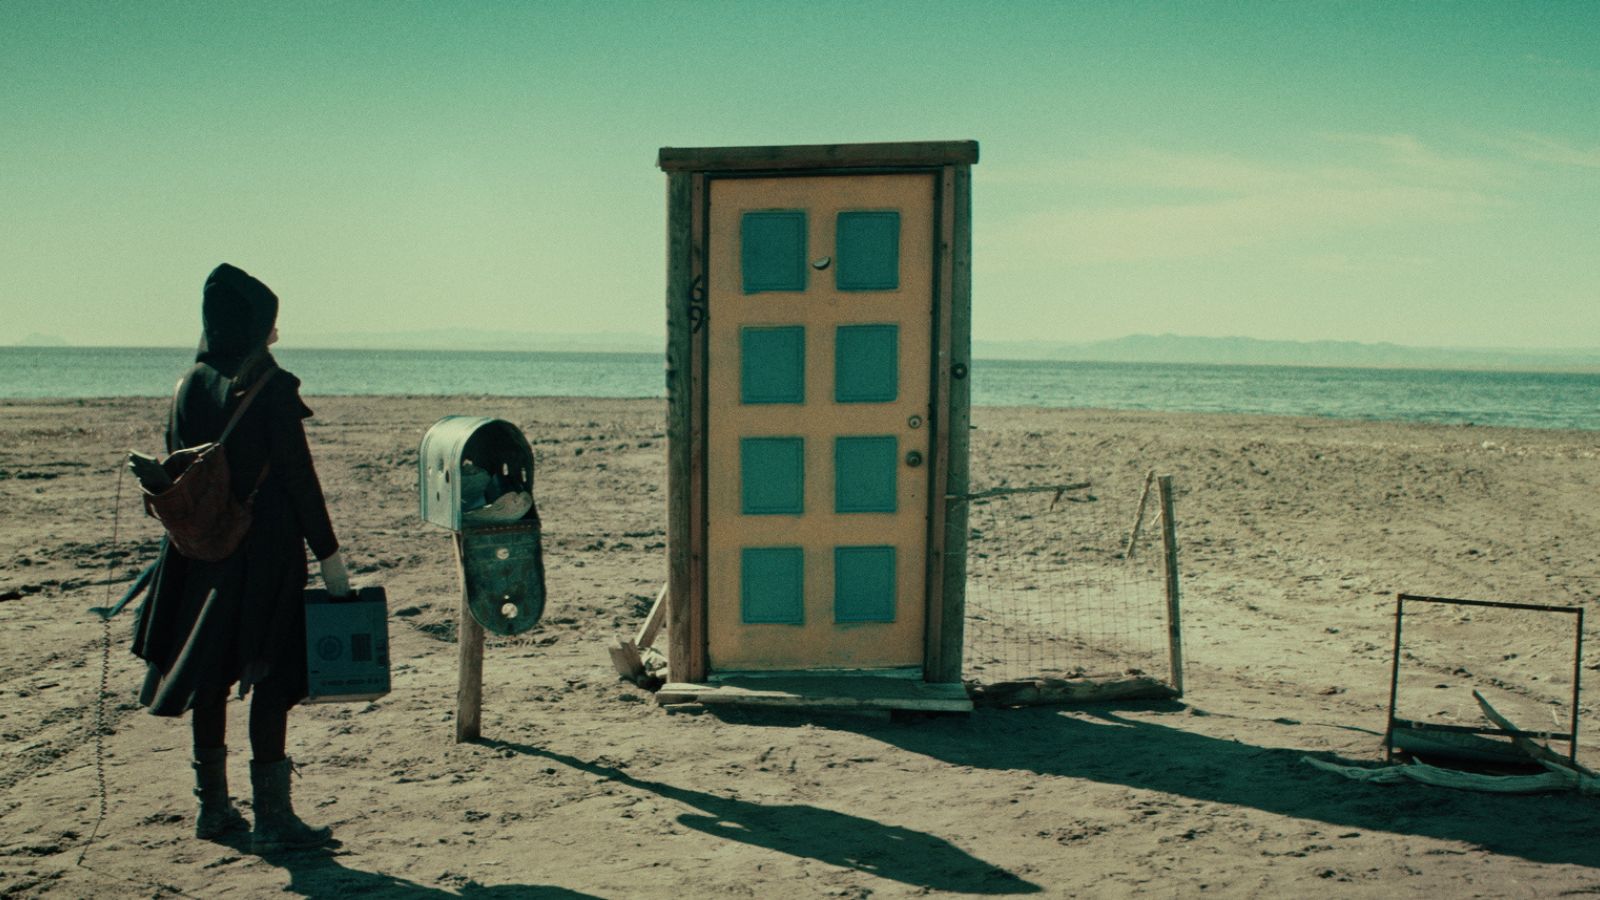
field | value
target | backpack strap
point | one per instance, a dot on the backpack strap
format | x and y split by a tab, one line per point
244	404
171	437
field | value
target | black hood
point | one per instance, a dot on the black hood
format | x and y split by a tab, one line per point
238	314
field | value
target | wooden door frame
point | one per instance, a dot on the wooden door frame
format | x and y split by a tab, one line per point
690	172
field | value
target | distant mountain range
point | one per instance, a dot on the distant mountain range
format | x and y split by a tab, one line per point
1137	348
1173	348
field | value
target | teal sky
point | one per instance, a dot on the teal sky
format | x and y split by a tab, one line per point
1423	173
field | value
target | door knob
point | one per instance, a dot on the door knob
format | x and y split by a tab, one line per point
914	459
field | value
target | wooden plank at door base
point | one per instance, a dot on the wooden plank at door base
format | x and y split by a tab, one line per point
626	660
822	694
1050	691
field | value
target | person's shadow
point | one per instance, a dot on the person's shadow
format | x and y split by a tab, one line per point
840	839
1100	745
318	873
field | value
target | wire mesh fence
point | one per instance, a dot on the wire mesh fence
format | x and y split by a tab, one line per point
1066	584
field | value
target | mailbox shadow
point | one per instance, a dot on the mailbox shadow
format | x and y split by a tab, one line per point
318	873
839	839
1112	749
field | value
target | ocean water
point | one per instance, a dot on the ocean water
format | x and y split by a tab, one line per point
1522	399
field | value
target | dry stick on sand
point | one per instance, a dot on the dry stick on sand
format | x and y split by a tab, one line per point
652	623
625	654
1058	489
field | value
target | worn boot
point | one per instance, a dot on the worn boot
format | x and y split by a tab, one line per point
277	827
217	815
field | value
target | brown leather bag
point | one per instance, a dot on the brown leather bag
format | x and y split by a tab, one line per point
204	520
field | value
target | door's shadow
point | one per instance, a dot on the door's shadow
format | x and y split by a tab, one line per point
1109	748
839	839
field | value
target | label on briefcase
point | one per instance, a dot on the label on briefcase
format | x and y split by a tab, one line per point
347	645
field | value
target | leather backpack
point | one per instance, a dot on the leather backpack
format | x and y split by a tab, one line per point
203	519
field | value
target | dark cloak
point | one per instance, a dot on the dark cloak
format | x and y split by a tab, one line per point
205	626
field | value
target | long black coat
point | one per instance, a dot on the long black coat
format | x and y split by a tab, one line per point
205	626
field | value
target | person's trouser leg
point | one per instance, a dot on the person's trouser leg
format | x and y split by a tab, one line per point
269	723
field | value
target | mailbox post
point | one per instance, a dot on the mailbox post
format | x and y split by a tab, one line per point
475	477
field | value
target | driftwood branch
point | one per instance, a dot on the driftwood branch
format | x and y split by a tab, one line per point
1543	783
1562	774
1588	780
1058	489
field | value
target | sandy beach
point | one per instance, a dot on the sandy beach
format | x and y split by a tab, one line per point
1295	536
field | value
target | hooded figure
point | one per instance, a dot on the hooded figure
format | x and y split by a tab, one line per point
208	626
237	315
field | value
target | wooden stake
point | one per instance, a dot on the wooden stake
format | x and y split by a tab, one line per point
1138	519
469	663
1169	542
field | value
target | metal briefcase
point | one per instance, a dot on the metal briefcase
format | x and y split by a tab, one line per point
347	645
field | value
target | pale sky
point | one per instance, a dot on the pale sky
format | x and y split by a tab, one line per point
1424	173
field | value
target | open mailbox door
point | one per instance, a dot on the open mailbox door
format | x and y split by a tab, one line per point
475	477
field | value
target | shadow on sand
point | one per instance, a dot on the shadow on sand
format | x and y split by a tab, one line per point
839	839
1099	745
319	874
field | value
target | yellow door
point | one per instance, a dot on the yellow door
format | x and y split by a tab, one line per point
820	310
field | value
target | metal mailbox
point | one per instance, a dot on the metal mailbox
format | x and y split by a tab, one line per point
475	477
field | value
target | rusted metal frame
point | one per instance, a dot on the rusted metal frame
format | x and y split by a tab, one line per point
812	157
1495	604
939	439
1577	676
1571	737
1394	678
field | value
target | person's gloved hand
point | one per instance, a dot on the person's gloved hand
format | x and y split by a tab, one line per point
334	575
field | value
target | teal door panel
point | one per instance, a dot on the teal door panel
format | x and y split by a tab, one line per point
867	245
863	584
864	474
772	364
772	585
772	476
866	364
772	251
